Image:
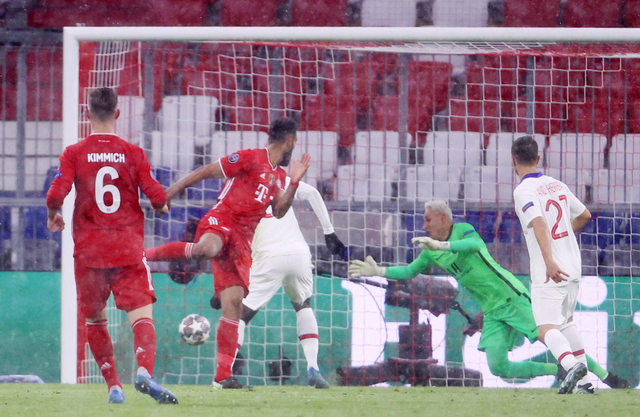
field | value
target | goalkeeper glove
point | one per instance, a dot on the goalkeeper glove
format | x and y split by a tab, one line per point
334	244
368	268
430	244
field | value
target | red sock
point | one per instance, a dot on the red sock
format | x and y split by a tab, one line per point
169	252
227	340
102	349
144	343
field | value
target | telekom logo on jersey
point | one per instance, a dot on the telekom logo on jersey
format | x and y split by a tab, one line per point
261	192
370	332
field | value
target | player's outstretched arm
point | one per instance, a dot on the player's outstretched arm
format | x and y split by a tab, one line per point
472	244
212	170
370	268
579	222
309	193
283	201
544	241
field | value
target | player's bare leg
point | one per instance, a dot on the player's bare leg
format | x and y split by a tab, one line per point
144	347
308	335
102	350
209	245
560	347
227	337
572	334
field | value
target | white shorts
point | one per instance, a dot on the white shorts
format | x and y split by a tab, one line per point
554	304
292	272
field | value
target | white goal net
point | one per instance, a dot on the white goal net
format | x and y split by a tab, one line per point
389	125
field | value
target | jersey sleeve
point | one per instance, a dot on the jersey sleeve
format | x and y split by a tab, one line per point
149	186
470	240
576	207
420	265
527	205
63	181
312	195
237	163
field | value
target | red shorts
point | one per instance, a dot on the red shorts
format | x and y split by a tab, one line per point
232	265
131	285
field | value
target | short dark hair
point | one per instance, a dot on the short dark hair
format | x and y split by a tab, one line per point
102	103
525	150
280	128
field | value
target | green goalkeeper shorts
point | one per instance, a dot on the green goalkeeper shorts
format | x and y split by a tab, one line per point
502	326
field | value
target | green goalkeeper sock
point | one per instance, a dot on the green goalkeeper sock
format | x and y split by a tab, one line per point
594	367
500	365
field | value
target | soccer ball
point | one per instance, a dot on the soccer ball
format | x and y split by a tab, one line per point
194	329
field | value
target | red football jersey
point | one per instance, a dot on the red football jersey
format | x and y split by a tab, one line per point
108	223
252	185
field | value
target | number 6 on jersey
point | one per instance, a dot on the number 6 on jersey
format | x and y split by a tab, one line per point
102	189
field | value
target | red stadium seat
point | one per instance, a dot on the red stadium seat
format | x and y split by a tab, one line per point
359	80
8	99
249	114
603	117
59	13
633	116
330	113
632	13
319	13
531	13
320	113
430	79
548	118
385	113
592	13
347	114
248	12
474	116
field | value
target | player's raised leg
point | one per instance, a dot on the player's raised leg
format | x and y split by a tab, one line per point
144	346
207	247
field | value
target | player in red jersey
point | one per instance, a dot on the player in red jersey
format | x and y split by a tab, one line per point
108	235
255	181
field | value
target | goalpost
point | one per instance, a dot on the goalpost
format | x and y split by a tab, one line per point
392	117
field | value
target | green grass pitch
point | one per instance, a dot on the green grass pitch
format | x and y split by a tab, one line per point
288	401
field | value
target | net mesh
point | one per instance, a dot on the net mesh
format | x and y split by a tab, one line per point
388	126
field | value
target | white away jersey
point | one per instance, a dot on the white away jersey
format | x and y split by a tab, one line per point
538	195
275	236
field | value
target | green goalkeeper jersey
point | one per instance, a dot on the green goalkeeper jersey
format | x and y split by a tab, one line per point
469	261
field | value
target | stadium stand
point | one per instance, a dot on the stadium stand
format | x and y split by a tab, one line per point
460	13
592	13
319	13
531	13
385	13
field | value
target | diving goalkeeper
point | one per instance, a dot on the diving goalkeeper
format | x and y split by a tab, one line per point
503	299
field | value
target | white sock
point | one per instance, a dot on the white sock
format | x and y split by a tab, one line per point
115	388
308	335
570	331
560	348
241	327
143	371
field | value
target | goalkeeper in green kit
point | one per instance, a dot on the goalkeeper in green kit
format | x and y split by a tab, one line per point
503	299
